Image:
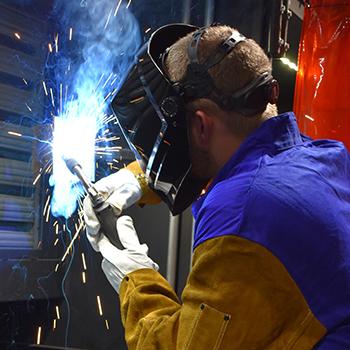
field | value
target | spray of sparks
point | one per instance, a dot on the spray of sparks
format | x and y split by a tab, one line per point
107	36
113	41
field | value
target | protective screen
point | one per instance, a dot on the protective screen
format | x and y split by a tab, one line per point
323	80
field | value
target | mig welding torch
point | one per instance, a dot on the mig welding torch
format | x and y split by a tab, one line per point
106	214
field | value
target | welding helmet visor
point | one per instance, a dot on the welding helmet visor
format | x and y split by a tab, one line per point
153	119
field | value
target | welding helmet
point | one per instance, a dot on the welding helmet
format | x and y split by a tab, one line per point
150	109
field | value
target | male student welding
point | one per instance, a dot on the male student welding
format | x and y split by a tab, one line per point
271	265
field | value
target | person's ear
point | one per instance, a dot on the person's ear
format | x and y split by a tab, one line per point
202	128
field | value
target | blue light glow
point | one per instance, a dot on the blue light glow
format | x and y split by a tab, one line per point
106	36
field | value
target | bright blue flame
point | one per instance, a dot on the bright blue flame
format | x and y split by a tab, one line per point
73	137
110	44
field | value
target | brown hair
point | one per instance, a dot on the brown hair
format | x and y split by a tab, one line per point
243	64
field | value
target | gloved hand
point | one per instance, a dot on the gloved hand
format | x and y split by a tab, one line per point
121	191
117	263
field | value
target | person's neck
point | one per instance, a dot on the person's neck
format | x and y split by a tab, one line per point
225	150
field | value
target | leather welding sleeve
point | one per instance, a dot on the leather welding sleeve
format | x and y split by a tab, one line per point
238	296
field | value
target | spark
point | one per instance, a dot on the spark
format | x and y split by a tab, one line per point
73	240
48	214
107	324
117	9
52	99
103	154
56	229
57	312
83	276
105	99
50	47
109	17
99	81
56	267
38	335
49	168
104	118
56	241
44	85
17	36
61	97
36	179
114	80
147	30
308	117
14	133
138	99
108	149
116	160
108	139
104	85
108	119
83	259
99	305
46	204
56	43
127	6
25	81
70	33
54	324
30	110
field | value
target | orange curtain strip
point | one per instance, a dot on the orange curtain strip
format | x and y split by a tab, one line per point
322	93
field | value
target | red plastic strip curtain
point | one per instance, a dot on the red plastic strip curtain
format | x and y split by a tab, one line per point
322	93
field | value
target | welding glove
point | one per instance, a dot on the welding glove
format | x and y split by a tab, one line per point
121	190
117	263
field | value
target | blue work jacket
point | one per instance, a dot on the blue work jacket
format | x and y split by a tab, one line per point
291	195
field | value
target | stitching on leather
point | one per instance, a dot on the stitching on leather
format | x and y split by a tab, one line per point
221	334
193	328
303	325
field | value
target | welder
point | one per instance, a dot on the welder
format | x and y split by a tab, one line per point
271	264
